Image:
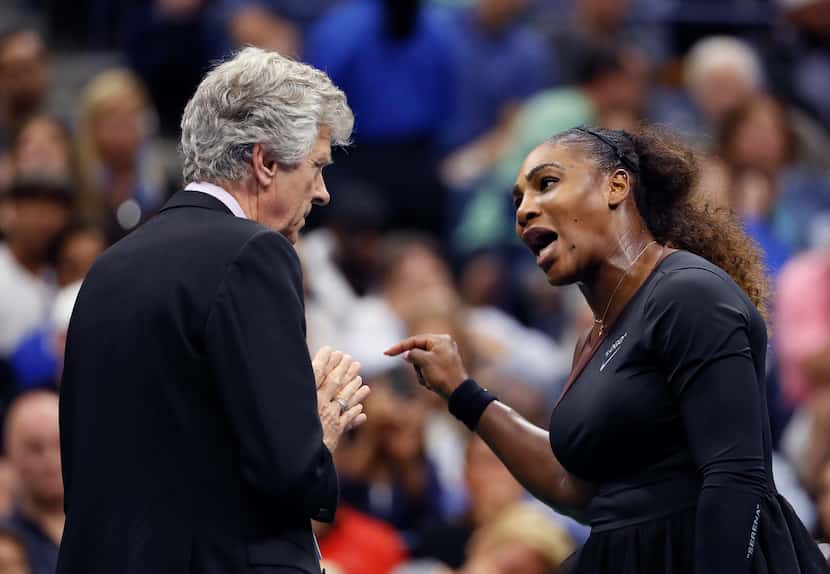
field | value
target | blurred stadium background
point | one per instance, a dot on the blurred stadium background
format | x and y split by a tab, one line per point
448	95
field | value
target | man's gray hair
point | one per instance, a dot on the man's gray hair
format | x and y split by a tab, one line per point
259	97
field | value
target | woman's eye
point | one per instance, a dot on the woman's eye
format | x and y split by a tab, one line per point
546	182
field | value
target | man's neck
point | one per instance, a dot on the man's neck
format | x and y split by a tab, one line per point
49	517
240	192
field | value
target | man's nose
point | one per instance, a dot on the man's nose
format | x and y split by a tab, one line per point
321	195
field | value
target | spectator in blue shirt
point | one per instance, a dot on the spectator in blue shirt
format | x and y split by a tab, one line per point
393	58
33	448
499	61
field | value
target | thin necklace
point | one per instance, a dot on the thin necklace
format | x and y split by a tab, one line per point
601	322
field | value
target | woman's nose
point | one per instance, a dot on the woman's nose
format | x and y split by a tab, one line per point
527	211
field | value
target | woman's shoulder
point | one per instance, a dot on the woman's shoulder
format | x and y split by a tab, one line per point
695	284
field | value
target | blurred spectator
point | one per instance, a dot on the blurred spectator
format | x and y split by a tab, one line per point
75	250
8	486
522	538
42	145
393	58
574	27
412	272
33	447
416	291
823	502
124	179
754	197
499	61
170	44
808	68
278	25
40	209
611	80
358	544
38	360
781	206
722	74
490	489
384	470
802	326
23	78
12	553
353	234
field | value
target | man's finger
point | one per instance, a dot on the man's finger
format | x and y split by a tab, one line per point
336	379
319	363
349	390
334	360
426	342
353	371
359	420
350	415
360	395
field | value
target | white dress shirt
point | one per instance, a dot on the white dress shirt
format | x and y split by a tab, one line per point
217	192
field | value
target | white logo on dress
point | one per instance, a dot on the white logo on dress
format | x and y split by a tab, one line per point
612	350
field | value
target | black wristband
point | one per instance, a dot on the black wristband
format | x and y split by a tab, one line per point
468	401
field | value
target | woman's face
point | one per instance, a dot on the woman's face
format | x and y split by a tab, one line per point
118	130
562	213
760	141
42	147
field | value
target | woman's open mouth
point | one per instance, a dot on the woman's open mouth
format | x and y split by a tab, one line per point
540	240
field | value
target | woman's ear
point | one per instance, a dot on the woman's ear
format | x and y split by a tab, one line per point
264	168
619	186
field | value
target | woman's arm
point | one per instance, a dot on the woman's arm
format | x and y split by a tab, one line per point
522	447
525	450
699	327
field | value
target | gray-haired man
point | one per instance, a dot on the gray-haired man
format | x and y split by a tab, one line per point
191	432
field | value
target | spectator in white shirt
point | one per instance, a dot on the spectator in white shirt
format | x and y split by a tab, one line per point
39	210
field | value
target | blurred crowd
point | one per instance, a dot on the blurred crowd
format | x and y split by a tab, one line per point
449	95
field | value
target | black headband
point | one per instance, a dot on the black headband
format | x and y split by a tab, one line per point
623	160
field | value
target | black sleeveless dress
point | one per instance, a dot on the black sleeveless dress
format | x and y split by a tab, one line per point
667	415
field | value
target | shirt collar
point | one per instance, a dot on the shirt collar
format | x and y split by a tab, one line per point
213	190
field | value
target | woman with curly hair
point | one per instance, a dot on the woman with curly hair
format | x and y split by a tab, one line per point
661	438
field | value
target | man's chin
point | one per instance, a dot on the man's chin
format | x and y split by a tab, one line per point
292	232
292	235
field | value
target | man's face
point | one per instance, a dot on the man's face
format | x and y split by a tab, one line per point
35	223
286	203
23	74
33	444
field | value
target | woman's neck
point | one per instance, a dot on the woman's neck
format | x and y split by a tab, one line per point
617	280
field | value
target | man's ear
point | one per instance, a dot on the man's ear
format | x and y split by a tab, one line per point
619	186
264	168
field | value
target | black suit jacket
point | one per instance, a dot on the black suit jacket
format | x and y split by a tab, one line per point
190	437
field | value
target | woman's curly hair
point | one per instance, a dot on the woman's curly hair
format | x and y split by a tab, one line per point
665	173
